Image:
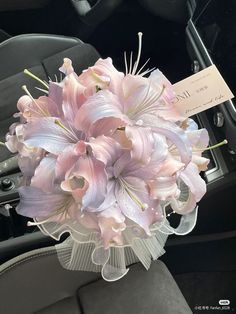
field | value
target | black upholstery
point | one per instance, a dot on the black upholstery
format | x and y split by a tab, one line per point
35	282
15	246
7	5
43	55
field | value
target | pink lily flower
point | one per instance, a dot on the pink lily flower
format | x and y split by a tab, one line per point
102	75
189	179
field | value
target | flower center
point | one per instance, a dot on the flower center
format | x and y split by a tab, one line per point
130	190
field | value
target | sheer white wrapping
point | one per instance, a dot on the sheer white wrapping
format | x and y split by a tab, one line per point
83	249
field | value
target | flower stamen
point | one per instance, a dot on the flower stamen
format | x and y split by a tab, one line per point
126	65
130	62
44	113
132	195
60	124
26	71
139	53
224	142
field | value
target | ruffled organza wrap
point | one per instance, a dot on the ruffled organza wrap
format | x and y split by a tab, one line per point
83	250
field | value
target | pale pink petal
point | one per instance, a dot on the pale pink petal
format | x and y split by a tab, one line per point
111	231
104	75
163	188
48	105
76	185
93	81
105	67
88	220
201	162
67	67
107	126
35	202
24	103
192	179
135	91
121	138
44	174
28	161
12	143
110	199
55	93
122	163
67	159
73	96
27	167
92	170
143	97
111	222
160	148
170	167
105	149
176	136
198	138
113	212
163	105
47	134
158	81
36	108
129	202
101	106
142	143
126	166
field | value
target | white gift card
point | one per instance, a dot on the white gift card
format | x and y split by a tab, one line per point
201	91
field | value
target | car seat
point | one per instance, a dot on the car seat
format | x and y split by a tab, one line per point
35	282
42	55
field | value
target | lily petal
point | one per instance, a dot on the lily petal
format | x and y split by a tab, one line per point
177	136
44	174
93	171
201	162
67	67
192	179
170	167
73	97
105	149
67	159
98	108
163	188
45	133
104	75
130	207
158	80
35	202
142	143
88	220
111	223
198	138
55	93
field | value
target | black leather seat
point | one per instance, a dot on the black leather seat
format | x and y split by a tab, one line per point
42	55
35	282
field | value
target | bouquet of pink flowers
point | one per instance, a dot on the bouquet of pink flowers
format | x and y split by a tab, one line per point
106	157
